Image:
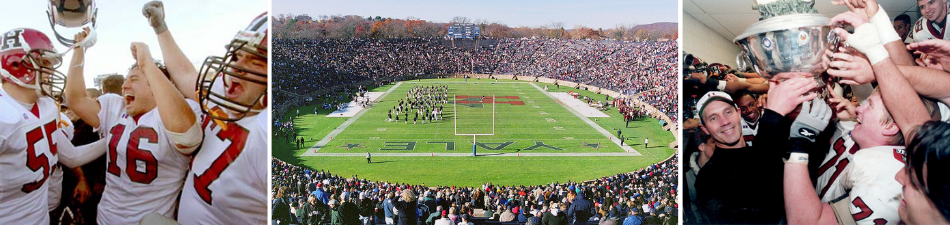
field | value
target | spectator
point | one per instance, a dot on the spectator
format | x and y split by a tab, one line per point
633	218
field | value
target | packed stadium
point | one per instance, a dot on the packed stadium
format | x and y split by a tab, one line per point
393	121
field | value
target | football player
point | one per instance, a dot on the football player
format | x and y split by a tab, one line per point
932	22
145	129
227	183
751	112
32	141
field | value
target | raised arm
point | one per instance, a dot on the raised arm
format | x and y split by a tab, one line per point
76	96
177	117
183	72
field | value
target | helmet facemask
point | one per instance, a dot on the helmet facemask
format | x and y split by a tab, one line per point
43	77
227	68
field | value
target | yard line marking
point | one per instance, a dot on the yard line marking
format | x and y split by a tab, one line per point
589	122
323	142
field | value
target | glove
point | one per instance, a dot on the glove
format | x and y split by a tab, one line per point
813	119
154	11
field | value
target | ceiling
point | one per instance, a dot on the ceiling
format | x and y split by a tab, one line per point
730	18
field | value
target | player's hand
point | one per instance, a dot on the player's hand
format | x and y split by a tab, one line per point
731	77
762	100
154	11
861	7
843	108
786	95
79	37
851	19
81	192
852	67
141	53
934	53
85	38
813	119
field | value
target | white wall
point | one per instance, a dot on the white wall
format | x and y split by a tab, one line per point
707	44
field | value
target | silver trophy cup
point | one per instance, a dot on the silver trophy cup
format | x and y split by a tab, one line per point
787	44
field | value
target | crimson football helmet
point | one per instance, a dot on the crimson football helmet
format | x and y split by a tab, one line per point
253	41
71	14
28	59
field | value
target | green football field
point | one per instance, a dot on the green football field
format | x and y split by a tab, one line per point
523	136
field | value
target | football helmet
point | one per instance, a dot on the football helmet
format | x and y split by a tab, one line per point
251	41
71	14
28	59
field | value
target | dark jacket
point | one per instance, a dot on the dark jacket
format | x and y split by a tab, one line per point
336	218
313	213
367	208
745	185
407	212
551	219
350	213
581	209
281	211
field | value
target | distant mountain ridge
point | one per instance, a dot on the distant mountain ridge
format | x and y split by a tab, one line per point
664	27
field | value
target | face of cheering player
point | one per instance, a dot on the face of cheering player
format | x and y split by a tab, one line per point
747	106
872	128
244	91
933	10
721	121
916	207
137	93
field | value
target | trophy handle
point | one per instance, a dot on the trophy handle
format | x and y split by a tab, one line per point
741	60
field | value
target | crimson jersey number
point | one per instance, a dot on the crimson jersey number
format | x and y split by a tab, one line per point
36	162
134	154
237	135
839	148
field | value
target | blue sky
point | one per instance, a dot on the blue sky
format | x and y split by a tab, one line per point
533	13
202	28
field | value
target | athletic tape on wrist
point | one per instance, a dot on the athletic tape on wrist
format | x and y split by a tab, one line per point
865	39
885	28
797	158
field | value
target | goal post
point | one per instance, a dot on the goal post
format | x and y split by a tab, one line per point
474	118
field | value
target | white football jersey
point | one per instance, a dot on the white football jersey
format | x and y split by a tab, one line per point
227	183
748	131
27	156
925	30
144	171
874	192
837	159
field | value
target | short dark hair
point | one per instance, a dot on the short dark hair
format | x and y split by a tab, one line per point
931	148
903	17
113	84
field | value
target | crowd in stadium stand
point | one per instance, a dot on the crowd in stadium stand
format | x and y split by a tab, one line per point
307	65
309	196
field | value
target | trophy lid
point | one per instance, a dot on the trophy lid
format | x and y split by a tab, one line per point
783	23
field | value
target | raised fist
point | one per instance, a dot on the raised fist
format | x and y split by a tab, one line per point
154	11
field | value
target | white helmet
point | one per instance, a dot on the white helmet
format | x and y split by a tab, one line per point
71	14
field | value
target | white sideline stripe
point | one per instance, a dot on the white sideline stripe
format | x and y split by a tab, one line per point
603	131
352	108
469	154
323	142
578	105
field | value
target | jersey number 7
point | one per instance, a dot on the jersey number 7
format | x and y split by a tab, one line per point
237	135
